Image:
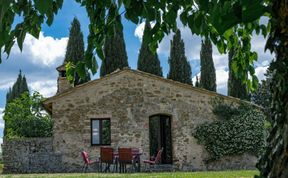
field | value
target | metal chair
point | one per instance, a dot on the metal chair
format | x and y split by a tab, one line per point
154	162
125	157
87	161
106	157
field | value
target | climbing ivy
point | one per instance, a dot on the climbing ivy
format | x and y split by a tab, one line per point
240	131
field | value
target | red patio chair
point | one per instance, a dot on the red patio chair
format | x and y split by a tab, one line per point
106	157
87	161
125	157
156	161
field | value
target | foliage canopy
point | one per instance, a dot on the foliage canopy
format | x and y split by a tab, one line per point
212	19
25	117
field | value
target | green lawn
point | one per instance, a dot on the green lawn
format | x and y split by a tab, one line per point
221	174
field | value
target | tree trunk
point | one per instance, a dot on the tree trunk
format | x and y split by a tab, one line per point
274	163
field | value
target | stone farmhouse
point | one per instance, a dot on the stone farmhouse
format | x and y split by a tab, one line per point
127	108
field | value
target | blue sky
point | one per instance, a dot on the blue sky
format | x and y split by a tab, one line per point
39	58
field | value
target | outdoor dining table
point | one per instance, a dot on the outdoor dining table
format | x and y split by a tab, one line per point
136	157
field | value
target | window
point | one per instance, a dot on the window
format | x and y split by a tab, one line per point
100	132
62	74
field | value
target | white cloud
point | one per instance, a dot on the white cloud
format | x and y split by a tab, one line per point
139	31
258	44
221	81
46	88
260	71
45	51
5	84
37	61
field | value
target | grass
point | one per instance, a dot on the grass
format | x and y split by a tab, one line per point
218	174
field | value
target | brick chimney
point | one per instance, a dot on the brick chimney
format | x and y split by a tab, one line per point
62	82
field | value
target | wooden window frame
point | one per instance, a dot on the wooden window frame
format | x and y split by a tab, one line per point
100	131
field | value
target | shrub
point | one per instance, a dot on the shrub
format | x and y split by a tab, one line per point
239	131
25	117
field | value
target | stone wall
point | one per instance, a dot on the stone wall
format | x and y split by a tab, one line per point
239	162
30	155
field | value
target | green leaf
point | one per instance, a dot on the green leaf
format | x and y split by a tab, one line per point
264	30
252	10
8	47
49	20
100	53
220	46
120	2
94	67
203	4
228	33
132	17
70	70
225	17
4	7
59	3
255	82
235	67
170	17
20	38
184	18
127	3
80	69
43	5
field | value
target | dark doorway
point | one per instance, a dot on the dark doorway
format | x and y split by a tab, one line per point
160	136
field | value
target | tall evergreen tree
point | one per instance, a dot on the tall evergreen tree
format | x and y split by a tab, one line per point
207	75
19	87
24	86
115	56
75	50
235	86
180	69
147	60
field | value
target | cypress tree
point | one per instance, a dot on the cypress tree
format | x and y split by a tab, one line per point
24	86
115	56
180	69
235	86
9	95
207	75
19	87
75	50
147	60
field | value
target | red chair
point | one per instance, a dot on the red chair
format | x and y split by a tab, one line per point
156	161
106	157
125	157
87	161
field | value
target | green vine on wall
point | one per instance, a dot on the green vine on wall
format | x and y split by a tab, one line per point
239	130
